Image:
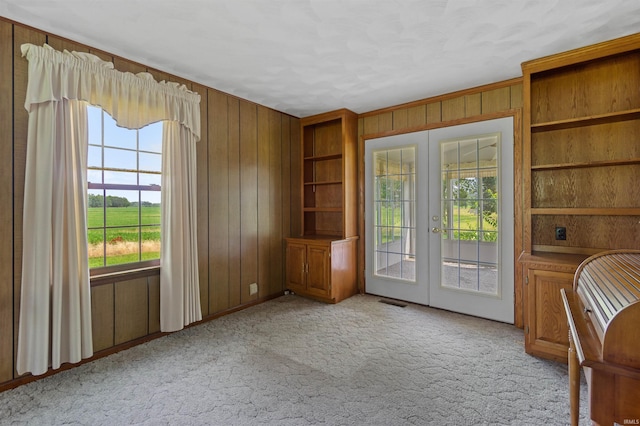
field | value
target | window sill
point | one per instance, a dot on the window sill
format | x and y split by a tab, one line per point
129	274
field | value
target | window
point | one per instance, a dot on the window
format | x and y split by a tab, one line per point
124	172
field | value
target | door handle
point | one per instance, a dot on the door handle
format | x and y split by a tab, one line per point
438	230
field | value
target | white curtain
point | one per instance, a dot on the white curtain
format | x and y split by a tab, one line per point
55	271
178	257
55	302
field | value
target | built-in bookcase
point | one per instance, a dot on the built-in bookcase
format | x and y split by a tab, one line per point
329	174
581	174
321	263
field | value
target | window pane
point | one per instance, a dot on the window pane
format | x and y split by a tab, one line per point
96	247
150	213
94	158
95	211
94	176
150	138
94	116
118	136
120	159
123	245
150	241
150	179
150	198
120	212
124	178
150	162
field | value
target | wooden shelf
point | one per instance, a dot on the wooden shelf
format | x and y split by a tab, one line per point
324	157
586	121
322	209
578	211
580	165
334	182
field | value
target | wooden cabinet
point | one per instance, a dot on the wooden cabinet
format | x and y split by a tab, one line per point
320	262
321	268
545	323
581	165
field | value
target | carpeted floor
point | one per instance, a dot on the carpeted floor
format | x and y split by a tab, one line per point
293	361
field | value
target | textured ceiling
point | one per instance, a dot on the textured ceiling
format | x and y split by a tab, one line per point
308	56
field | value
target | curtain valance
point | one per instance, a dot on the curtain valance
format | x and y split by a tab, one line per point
133	100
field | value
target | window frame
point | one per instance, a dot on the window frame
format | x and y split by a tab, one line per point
140	265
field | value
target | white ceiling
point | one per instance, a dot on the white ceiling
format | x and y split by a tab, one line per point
308	56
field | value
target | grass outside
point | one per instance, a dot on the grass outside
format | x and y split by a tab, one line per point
465	225
128	241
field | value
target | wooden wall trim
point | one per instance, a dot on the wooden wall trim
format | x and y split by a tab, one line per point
444	97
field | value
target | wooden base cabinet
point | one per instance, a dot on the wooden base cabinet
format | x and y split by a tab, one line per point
545	322
321	268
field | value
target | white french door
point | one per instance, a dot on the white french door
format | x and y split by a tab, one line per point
439	218
471	219
396	242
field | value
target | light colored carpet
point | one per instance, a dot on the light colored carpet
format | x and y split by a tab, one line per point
293	361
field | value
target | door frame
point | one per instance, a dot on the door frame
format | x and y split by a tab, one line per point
518	162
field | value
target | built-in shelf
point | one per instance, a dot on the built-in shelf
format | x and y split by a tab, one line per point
579	165
335	182
586	121
323	157
577	211
322	209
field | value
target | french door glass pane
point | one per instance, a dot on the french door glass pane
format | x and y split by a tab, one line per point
395	222
469	198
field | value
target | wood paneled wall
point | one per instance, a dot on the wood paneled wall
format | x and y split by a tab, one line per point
244	175
484	102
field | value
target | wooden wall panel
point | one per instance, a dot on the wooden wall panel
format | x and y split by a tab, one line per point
20	125
153	283
296	177
434	112
496	100
202	166
473	104
128	66
248	198
516	96
102	316
234	189
64	44
131	305
605	232
6	202
417	116
275	236
218	202
400	118
264	208
287	204
453	109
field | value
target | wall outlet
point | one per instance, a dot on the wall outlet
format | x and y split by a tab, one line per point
561	233
253	289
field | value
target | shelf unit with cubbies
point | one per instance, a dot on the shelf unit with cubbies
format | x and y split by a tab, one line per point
581	166
321	263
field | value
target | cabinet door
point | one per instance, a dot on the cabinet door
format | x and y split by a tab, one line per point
296	264
546	322
318	279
